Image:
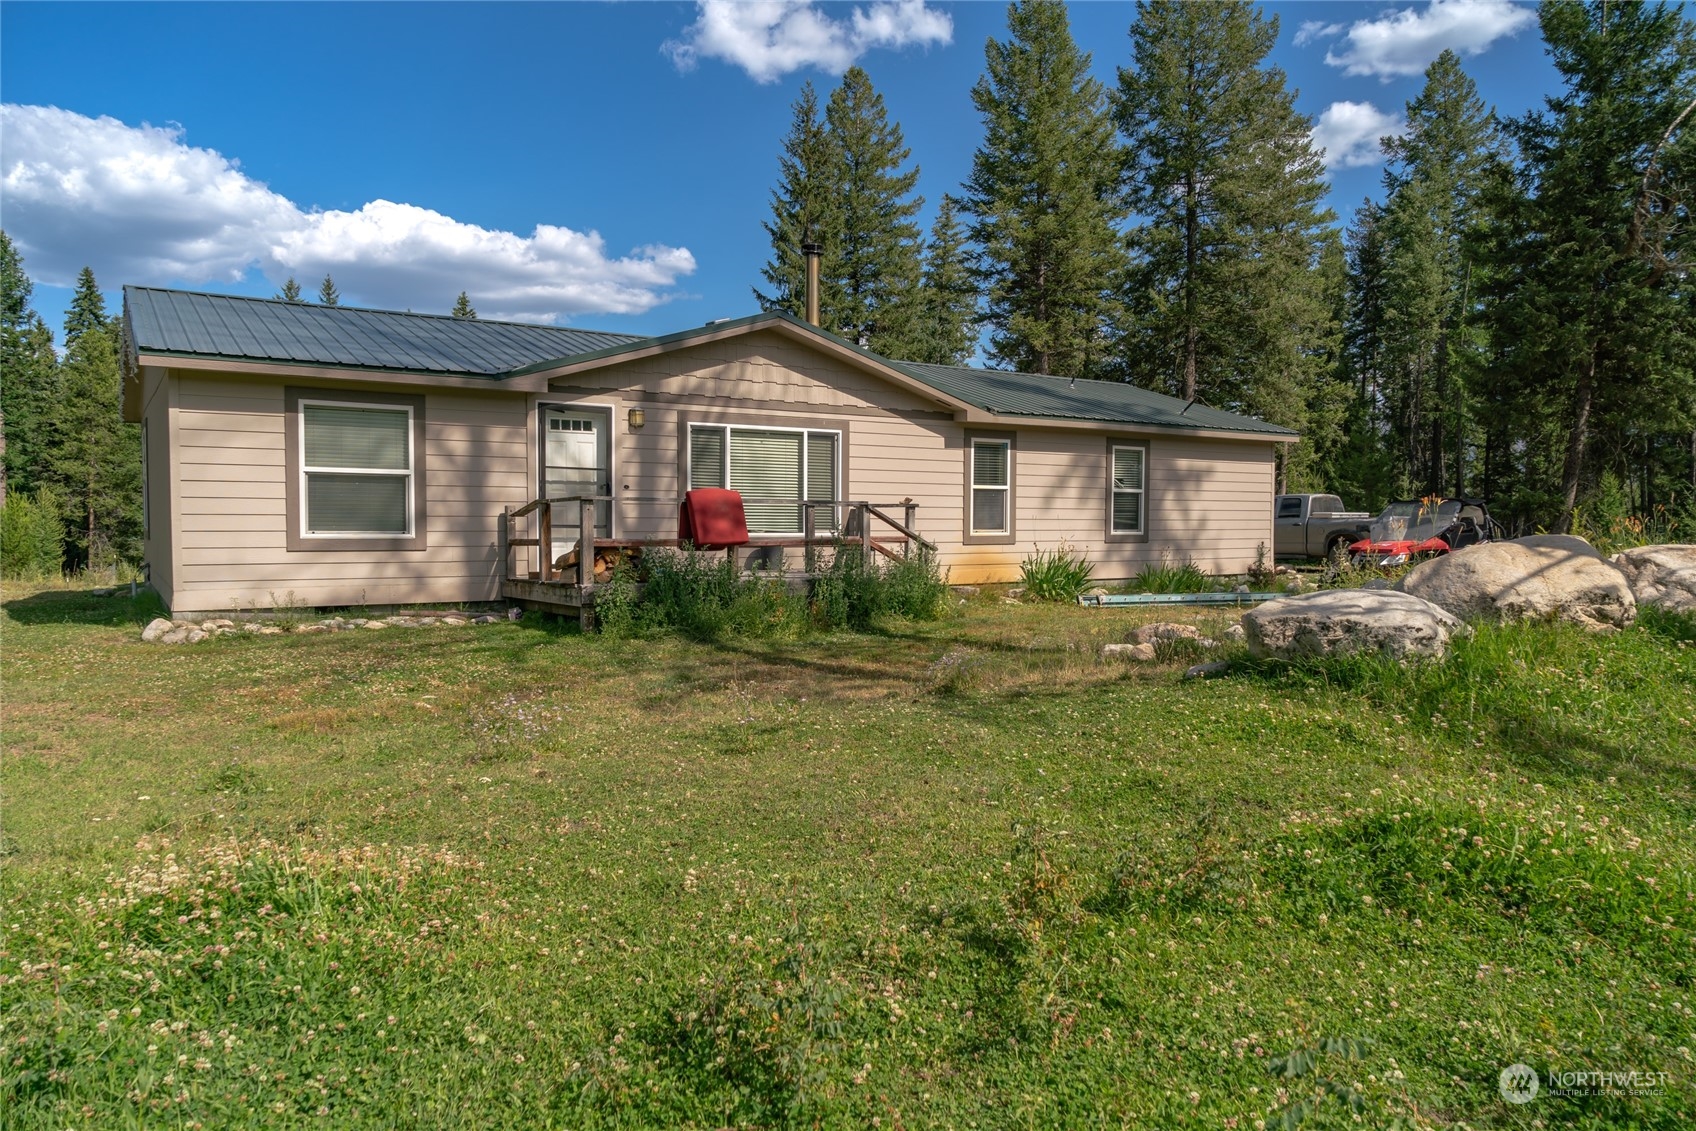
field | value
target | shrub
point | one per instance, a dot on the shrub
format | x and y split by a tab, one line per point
1166	577
854	592
701	595
705	596
1055	575
32	537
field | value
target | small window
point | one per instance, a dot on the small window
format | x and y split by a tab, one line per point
1128	489
357	464
991	486
1290	507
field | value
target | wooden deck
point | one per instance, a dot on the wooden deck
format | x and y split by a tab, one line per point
571	591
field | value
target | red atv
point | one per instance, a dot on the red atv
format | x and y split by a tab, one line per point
1412	529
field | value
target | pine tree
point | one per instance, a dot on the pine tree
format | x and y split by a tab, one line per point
29	371
328	295
806	208
93	459
946	331
1361	470
1043	199
1433	216
1226	300
877	263
462	307
290	291
1592	322
87	310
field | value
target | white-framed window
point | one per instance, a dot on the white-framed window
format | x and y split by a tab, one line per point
356	469
1127	472
774	464
992	486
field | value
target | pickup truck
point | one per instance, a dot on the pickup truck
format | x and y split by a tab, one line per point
1313	526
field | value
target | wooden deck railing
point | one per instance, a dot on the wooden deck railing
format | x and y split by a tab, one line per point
854	528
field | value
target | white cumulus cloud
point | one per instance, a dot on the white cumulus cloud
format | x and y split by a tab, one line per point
141	206
1348	133
1402	43
1311	30
771	38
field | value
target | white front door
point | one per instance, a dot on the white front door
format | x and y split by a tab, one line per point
576	461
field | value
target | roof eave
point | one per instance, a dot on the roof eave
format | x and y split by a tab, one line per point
982	417
319	371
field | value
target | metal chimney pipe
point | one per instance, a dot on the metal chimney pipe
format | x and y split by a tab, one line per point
814	252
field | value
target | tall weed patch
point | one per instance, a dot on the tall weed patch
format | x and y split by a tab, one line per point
1552	692
705	596
855	592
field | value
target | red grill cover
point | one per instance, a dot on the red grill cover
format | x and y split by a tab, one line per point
711	518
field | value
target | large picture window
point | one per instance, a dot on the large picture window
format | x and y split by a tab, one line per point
992	487
769	467
1127	470
355	471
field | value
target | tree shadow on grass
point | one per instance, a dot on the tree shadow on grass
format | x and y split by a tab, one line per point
81	606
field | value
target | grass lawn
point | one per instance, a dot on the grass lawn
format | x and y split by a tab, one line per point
962	874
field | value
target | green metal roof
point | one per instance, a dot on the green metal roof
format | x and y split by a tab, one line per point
1111	402
196	324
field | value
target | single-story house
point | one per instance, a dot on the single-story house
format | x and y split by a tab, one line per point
323	456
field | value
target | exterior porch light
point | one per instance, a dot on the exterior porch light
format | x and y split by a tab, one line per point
637	418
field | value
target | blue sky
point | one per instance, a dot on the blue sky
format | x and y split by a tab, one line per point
597	165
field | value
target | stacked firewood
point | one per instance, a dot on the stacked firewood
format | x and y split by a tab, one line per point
607	559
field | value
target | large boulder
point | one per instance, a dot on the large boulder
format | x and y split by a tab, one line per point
1343	621
1551	577
1664	576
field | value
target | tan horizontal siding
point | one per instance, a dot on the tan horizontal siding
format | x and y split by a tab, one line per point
231	470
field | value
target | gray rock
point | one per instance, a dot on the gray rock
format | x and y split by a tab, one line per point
1344	621
195	636
1663	576
1143	652
1553	577
373	624
1569	543
269	630
177	635
966	590
156	628
102	592
485	620
1208	670
455	621
1165	630
401	622
1016	592
309	629
1235	632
